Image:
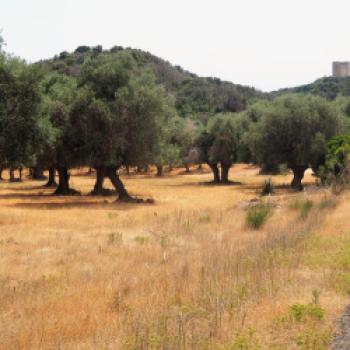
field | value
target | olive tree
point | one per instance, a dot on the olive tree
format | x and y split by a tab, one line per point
293	130
22	127
119	120
60	93
219	143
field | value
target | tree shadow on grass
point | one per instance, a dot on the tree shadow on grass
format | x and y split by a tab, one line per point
284	188
220	184
112	205
24	195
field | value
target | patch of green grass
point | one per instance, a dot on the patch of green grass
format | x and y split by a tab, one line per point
204	219
164	241
302	312
257	216
328	203
141	240
341	282
303	205
313	339
305	209
246	340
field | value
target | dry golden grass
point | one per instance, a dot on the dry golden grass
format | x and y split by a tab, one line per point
185	273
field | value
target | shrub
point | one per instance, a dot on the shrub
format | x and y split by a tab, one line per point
268	188
302	312
257	216
313	339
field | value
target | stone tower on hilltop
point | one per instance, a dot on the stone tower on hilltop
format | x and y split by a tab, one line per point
341	69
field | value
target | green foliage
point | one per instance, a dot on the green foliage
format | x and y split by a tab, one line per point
328	87
2	42
82	49
245	340
220	142
22	128
293	129
302	312
303	205
313	339
146	110
305	209
257	216
334	169
141	240
194	96
327	203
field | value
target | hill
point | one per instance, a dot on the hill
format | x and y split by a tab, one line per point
194	95
327	87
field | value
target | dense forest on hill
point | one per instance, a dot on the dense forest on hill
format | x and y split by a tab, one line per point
194	95
327	87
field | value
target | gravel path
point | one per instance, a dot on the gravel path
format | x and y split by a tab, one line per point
341	340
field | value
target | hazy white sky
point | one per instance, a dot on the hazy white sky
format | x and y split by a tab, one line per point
268	44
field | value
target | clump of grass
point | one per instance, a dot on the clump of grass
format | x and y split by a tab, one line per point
246	340
303	205
204	219
295	204
115	238
141	240
305	209
268	188
302	312
314	339
257	215
164	241
328	203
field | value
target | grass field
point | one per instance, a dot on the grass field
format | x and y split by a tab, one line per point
184	273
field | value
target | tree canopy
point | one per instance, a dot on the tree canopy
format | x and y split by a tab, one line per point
293	130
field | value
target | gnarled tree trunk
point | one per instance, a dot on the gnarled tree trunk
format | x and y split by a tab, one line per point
1	170
99	190
298	175
12	175
123	194
225	168
100	177
187	167
159	170
216	173
51	181
63	188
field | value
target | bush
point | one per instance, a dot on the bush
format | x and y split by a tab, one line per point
268	188
302	313
314	339
257	216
